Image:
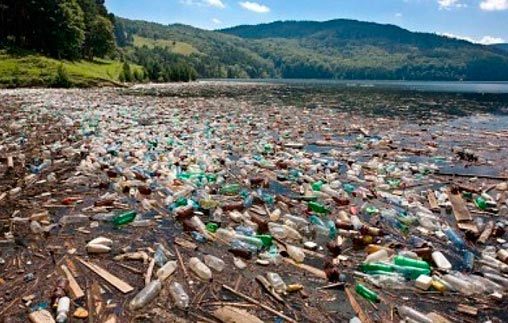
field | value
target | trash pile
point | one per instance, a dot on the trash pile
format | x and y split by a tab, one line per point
116	207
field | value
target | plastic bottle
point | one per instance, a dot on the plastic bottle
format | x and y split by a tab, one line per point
124	218
441	261
480	203
454	237
408	262
295	253
411	272
200	269
277	283
63	308
179	296
366	293
230	189
215	263
377	256
459	284
167	270
318	208
146	295
376	267
405	311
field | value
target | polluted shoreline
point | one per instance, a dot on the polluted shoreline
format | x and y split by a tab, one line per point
228	202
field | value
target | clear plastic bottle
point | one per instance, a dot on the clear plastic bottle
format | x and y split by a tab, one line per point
277	283
215	263
179	296
405	311
295	253
379	255
167	270
459	284
200	269
146	295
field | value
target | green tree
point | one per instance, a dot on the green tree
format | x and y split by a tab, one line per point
69	34
102	40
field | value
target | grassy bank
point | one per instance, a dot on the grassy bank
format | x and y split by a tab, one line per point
36	70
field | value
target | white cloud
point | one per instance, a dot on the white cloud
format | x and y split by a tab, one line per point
485	40
398	15
494	5
448	4
216	21
205	3
254	6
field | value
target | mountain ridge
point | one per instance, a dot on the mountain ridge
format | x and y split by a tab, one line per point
333	49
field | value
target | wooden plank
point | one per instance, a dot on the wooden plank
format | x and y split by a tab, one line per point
356	307
316	272
41	316
459	207
75	291
229	314
434	206
110	278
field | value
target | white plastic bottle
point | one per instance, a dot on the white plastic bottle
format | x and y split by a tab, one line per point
167	270
62	311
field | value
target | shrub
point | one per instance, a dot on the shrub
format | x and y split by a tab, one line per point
62	78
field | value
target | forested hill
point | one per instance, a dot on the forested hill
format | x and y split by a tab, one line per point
503	47
337	49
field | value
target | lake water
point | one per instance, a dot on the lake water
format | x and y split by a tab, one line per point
422	86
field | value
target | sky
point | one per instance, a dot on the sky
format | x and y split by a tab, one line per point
481	21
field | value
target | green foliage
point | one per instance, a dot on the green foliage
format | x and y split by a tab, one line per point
70	34
62	78
63	29
126	74
102	40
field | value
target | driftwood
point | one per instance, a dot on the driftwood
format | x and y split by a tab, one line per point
357	308
110	278
229	314
75	291
263	306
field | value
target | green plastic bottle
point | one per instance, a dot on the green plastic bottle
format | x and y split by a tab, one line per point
411	272
318	208
376	267
317	186
212	227
366	293
480	203
266	239
230	189
124	218
409	262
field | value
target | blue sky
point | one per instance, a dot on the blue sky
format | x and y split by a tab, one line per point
483	21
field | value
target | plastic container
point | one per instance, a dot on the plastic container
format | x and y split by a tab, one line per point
146	295
124	218
441	261
377	256
409	262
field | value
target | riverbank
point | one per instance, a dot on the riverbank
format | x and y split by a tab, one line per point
34	70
